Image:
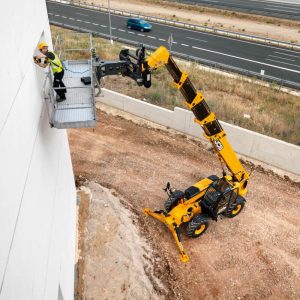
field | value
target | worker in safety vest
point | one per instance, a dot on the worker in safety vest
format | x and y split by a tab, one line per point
49	57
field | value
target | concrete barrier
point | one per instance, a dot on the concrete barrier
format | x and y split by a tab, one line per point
245	142
139	108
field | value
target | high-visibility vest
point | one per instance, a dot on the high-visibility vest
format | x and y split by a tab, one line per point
55	63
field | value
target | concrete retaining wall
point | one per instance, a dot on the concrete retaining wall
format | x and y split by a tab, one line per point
245	142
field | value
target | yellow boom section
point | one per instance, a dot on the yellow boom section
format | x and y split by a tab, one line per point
194	100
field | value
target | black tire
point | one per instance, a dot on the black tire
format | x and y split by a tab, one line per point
213	177
197	226
235	208
170	203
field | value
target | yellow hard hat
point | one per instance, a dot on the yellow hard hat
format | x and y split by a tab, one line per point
41	45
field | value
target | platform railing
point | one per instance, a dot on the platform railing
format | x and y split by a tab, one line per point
79	96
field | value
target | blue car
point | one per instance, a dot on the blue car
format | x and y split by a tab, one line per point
138	24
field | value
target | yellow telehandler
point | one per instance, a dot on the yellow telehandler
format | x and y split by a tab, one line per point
210	197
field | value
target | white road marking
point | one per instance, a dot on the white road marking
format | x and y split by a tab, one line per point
141	34
290	4
113	28
78	20
64	17
283	7
185	45
131	32
241	41
162	40
121	30
211	1
174	42
87	22
151	37
95	24
50	14
82	14
273	5
281	57
57	15
191	38
246	59
103	26
286	54
280	62
71	19
281	10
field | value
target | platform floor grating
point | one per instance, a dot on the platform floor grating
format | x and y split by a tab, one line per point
78	110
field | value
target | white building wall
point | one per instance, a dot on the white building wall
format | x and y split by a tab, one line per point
37	191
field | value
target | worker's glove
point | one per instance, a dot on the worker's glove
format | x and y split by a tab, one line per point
36	60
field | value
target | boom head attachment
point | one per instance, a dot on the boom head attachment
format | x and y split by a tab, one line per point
133	65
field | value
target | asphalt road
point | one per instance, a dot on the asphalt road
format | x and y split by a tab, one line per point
280	9
277	62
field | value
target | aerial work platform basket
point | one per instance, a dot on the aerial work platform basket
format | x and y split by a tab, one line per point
78	110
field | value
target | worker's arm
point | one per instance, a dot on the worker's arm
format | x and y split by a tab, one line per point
45	58
38	60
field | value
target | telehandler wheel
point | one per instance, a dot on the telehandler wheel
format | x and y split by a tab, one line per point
170	203
197	226
235	208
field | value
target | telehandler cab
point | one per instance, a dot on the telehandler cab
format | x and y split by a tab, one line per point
210	197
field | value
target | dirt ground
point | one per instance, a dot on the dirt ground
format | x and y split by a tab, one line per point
285	30
114	258
253	256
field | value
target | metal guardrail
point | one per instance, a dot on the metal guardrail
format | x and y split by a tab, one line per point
212	64
183	24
